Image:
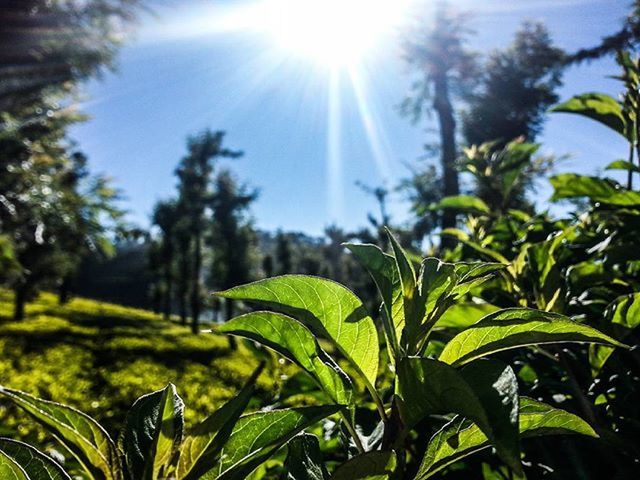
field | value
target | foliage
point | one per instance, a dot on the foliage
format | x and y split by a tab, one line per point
625	39
55	45
517	87
583	266
232	238
440	55
112	355
152	444
483	392
183	228
54	212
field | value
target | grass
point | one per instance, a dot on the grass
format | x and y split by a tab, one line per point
101	357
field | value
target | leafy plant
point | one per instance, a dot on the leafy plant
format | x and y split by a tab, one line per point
318	322
152	445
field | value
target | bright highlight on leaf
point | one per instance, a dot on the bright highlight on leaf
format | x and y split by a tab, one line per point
329	309
82	435
518	327
294	341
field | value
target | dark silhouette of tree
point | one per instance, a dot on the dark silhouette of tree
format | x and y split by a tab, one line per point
283	254
232	237
439	55
625	39
381	196
518	85
194	188
183	280
165	216
334	252
50	46
267	266
156	267
423	188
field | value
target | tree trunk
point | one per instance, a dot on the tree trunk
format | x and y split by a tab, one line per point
64	292
20	299
168	280
183	290
195	284
444	109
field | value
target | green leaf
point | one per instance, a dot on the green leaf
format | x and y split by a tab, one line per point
10	470
587	274
464	203
625	318
328	308
496	384
514	328
201	447
464	238
293	340
35	464
153	433
437	281
84	437
460	437
429	387
304	459
597	106
259	435
570	185
405	267
465	314
383	270
623	165
471	275
368	466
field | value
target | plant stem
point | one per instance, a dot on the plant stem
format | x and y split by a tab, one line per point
630	173
353	433
585	405
378	401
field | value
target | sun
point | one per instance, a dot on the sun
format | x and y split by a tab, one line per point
333	32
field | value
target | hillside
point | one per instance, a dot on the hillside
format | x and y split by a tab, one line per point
100	357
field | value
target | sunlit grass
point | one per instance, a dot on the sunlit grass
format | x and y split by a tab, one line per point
100	357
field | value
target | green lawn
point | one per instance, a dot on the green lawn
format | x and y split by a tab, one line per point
100	357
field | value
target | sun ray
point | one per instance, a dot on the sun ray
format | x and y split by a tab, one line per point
378	141
334	150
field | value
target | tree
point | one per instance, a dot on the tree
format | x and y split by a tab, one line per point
334	253
232	236
625	39
53	211
165	216
381	196
518	86
57	44
422	189
283	254
446	69
194	174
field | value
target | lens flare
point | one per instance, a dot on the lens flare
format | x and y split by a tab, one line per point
334	32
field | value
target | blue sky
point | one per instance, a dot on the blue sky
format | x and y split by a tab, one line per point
178	77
